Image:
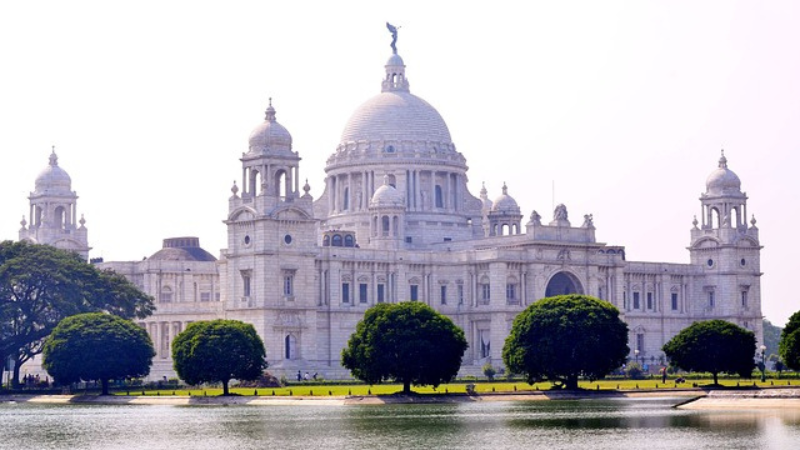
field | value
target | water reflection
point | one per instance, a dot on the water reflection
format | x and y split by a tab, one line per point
550	425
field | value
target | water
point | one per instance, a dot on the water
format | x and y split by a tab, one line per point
552	425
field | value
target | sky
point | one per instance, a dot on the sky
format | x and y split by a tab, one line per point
618	109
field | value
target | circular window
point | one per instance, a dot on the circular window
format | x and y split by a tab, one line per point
287	239
743	262
389	149
710	263
247	240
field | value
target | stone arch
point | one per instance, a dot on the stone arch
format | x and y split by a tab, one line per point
563	283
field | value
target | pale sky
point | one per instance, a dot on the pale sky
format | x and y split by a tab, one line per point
623	106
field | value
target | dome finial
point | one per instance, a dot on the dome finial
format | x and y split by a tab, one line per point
270	113
723	161
505	188
53	156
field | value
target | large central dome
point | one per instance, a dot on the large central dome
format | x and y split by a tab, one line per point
396	115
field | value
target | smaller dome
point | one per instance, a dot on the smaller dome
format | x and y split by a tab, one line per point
723	181
182	249
53	179
270	136
387	195
505	203
395	60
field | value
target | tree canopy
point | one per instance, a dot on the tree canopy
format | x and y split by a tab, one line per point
563	337
97	346
715	346
789	348
408	342
772	336
41	285
218	350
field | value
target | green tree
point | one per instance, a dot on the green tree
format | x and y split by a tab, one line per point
41	285
218	350
561	338
713	346
97	346
772	337
408	342
789	348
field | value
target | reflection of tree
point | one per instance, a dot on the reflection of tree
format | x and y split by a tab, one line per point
414	426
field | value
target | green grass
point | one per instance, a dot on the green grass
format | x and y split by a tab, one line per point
458	387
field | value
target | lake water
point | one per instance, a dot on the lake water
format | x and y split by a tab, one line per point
591	424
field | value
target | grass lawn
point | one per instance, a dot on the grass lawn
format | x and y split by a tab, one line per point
456	387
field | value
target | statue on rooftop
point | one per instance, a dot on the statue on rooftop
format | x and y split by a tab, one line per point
392	29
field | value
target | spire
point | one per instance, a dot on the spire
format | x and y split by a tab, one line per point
53	157
723	161
484	192
270	113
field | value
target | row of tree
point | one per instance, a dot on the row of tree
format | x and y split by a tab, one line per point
559	339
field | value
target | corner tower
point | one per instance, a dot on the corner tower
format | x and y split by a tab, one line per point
268	269
53	212
729	253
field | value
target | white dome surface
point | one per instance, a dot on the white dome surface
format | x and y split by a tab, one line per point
53	178
396	116
505	203
270	136
723	180
387	195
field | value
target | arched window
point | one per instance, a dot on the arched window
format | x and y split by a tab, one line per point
348	240
385	226
60	219
714	218
166	295
504	230
395	226
326	241
439	197
280	183
337	240
290	347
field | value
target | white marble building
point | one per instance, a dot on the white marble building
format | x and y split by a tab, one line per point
396	222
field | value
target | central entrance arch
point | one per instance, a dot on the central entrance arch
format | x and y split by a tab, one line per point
563	283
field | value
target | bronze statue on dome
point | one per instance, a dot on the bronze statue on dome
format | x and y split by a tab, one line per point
392	29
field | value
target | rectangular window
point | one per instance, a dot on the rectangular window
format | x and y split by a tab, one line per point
460	288
649	300
205	296
711	299
246	284
443	294
288	285
414	292
636	300
486	293
624	299
744	299
511	292
362	292
674	301
640	344
345	292
381	297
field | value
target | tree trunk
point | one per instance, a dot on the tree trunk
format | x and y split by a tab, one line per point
225	387
715	378
15	378
571	382
407	387
104	383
